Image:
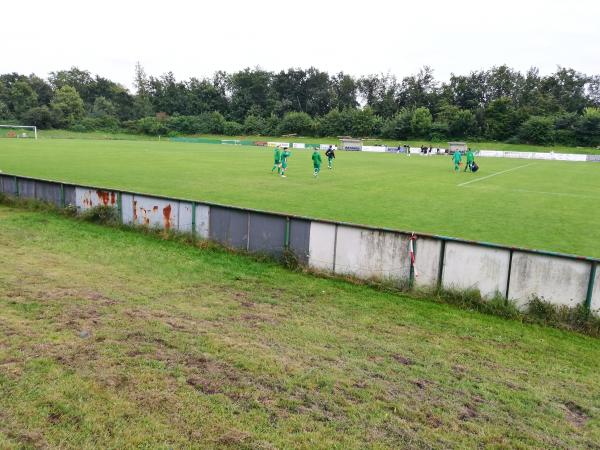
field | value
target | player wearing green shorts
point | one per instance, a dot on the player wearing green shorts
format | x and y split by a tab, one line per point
470	160
284	158
277	162
457	158
316	159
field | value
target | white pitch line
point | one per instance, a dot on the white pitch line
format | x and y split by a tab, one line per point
497	173
567	194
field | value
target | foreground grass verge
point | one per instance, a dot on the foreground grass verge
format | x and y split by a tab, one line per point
111	338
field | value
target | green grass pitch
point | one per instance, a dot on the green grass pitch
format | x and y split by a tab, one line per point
539	204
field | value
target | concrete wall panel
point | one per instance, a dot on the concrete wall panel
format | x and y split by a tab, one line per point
48	192
427	261
229	227
26	188
300	239
7	185
155	212
558	280
86	198
202	220
266	234
127	211
321	246
469	266
596	292
371	254
70	195
184	220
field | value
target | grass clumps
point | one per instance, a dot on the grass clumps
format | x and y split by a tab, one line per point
103	215
577	318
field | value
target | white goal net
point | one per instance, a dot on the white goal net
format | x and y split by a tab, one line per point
18	131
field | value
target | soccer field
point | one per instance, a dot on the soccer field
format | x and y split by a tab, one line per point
547	205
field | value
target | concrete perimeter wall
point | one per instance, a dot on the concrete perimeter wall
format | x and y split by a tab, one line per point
363	252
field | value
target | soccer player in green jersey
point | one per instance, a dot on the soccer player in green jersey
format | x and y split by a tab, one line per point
470	160
277	162
284	157
316	159
457	158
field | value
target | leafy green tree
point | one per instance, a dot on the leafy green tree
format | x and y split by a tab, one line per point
364	122
250	89
22	97
4	111
537	130
459	123
399	126
567	87
564	128
502	119
420	90
42	89
68	106
103	107
81	80
380	92
205	96
421	122
344	89
40	116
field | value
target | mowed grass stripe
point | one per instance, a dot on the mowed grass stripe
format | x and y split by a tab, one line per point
389	190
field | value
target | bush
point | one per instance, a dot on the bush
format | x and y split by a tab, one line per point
255	125
297	123
151	126
105	215
588	128
334	123
233	129
364	122
439	131
421	122
40	116
399	126
537	130
105	123
577	318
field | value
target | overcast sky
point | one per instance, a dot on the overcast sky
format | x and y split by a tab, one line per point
196	38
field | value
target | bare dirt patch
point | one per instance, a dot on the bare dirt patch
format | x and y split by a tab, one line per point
403	360
575	414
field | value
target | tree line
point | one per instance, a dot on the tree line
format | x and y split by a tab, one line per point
499	104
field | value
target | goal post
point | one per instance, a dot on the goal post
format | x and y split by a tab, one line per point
17	131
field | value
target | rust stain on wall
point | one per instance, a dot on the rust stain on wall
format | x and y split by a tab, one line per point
167	217
105	197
